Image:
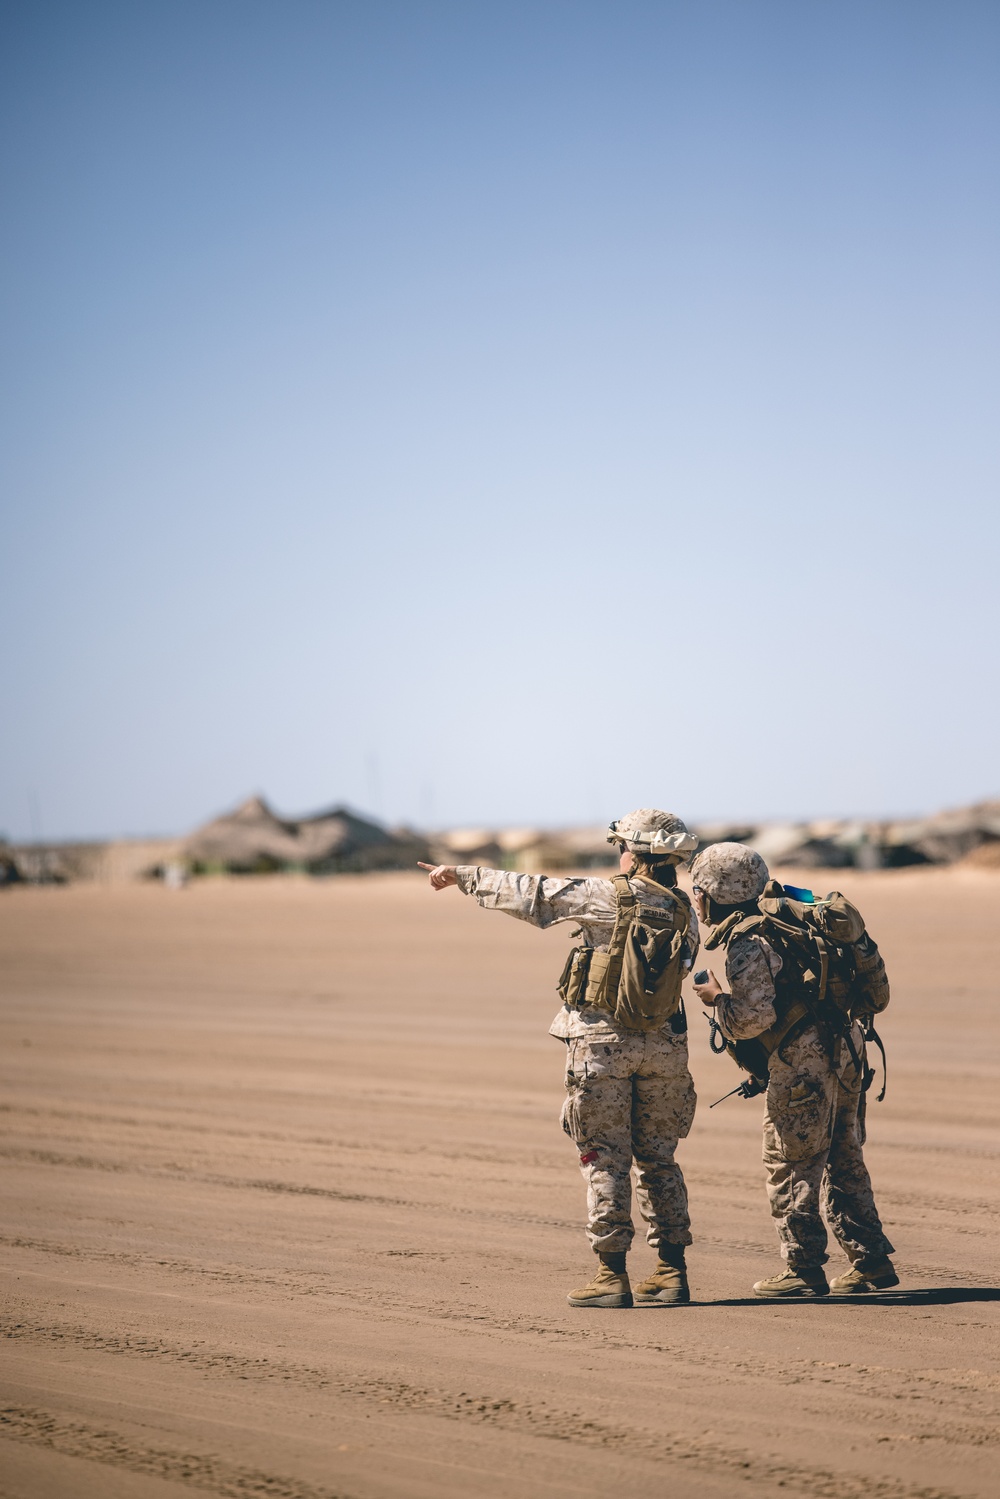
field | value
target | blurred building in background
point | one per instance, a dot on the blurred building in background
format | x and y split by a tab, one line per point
254	839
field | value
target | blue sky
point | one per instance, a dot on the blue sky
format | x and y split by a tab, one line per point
497	412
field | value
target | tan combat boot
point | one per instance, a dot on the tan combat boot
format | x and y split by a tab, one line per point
667	1286
803	1283
857	1282
608	1288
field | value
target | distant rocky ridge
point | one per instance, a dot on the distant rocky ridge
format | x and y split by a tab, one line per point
253	839
832	843
966	833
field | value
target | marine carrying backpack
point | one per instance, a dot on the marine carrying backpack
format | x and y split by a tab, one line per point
831	971
639	977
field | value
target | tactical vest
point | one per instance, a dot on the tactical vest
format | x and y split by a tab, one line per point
639	978
831	974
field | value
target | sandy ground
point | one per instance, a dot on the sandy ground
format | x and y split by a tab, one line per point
288	1212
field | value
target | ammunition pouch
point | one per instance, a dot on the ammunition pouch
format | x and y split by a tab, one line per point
573	980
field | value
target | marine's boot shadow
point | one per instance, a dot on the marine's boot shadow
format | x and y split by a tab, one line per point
936	1296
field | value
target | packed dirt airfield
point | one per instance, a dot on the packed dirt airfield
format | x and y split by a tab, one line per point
288	1212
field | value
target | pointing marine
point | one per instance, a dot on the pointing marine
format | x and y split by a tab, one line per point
629	1094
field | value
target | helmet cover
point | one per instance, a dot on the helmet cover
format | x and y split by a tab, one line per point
730	873
661	835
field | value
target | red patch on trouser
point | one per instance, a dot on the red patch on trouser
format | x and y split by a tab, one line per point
591	1155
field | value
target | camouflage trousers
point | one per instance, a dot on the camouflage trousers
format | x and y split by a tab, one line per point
814	1134
630	1099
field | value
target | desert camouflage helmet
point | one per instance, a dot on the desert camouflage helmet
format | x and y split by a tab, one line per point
730	873
650	831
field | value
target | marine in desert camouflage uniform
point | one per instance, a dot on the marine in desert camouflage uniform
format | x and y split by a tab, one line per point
629	1094
814	1123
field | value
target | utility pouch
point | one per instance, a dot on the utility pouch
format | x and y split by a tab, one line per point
752	1057
638	979
573	980
871	984
649	990
598	975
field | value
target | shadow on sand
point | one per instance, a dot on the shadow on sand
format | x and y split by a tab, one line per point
939	1296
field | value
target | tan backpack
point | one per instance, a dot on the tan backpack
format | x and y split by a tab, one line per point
639	977
831	971
836	958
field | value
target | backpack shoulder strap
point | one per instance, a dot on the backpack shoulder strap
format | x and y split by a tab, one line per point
683	900
625	902
749	926
734	925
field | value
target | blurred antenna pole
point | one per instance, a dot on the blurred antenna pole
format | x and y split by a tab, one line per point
374	783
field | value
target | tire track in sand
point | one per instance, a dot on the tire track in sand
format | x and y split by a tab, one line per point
273	1184
41	1428
502	1414
876	1386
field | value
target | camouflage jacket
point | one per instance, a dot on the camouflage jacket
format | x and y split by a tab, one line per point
545	900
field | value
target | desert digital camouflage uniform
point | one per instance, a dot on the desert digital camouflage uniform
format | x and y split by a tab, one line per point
629	1094
814	1123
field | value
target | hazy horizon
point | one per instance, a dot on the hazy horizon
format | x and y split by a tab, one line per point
498	414
298	814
